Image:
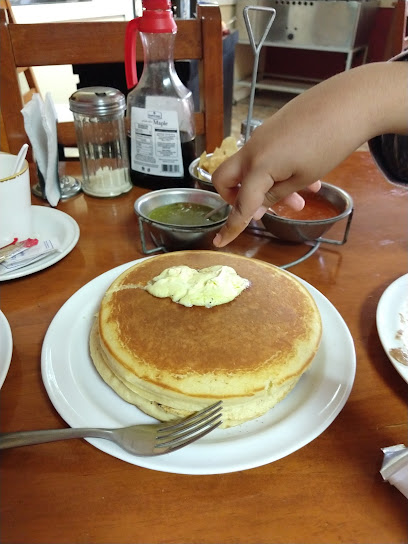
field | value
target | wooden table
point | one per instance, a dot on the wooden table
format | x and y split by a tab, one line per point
329	491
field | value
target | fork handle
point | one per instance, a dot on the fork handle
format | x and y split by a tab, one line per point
28	438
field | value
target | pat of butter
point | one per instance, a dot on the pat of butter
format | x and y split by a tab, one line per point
208	287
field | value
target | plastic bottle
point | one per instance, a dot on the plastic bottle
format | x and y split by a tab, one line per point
160	112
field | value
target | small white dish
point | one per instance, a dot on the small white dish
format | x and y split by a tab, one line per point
6	347
83	399
392	317
49	223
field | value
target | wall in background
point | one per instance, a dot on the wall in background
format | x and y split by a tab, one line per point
312	64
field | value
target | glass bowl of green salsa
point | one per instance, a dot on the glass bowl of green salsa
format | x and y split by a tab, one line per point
176	219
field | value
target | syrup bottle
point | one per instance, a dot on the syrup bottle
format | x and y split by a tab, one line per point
160	109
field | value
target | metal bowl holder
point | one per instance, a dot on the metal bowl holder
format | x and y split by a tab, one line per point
256	48
145	250
256	230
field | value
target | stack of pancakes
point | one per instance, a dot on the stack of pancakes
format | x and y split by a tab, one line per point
171	361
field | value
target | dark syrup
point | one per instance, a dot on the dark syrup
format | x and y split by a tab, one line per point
149	181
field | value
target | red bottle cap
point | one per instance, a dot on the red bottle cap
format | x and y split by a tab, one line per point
157	17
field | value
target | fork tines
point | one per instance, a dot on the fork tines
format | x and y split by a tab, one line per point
174	436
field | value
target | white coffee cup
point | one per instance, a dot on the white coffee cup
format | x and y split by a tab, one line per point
15	201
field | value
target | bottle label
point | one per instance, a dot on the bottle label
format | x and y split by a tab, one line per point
155	147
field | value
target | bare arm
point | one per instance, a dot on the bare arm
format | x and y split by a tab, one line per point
308	137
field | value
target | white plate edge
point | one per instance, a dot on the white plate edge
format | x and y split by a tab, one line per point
52	259
8	355
100	444
387	293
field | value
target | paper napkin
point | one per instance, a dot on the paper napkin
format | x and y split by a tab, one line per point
395	467
40	123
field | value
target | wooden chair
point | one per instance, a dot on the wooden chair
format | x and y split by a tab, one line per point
397	40
47	44
28	73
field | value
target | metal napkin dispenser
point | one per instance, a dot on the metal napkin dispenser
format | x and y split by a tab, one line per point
329	24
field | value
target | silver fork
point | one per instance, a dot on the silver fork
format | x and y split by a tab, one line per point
143	440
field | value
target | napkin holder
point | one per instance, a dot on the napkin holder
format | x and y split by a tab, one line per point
69	186
41	123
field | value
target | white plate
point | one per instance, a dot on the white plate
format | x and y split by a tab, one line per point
6	347
392	305
83	399
49	223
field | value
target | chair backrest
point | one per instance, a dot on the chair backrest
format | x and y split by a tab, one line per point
28	73
397	40
47	44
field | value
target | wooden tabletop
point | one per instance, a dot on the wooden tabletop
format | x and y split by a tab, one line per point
329	491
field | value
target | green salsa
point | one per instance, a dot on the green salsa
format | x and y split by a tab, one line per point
184	213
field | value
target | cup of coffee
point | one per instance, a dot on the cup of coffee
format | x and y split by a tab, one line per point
15	200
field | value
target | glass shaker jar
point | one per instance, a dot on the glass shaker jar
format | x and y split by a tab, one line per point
99	117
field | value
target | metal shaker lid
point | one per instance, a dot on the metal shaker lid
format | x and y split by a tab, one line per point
254	123
94	101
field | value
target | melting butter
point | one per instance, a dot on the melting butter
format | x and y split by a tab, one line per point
207	287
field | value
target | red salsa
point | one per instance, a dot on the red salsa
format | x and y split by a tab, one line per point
317	207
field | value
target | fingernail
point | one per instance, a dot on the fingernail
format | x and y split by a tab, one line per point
260	212
217	239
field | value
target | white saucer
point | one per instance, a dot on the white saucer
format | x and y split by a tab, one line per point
392	317
47	223
6	347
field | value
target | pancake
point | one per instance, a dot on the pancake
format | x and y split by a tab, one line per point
170	360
